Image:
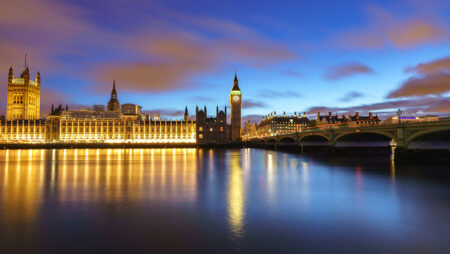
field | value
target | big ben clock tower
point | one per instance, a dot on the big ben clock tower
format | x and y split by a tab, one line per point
235	103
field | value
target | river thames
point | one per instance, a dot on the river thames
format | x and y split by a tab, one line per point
218	201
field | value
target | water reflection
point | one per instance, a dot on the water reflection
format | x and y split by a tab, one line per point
86	175
236	196
23	182
267	201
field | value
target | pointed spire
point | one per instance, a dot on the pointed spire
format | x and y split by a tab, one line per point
113	91
10	74
186	114
235	83
25	64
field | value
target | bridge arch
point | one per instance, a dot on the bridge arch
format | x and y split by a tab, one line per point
271	141
425	132
287	140
380	133
315	135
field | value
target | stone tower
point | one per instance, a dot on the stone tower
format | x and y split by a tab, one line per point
113	104
24	95
235	104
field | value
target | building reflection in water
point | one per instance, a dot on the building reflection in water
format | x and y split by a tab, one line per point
22	186
392	171
91	175
271	169
236	195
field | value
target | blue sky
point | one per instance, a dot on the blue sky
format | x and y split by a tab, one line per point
303	56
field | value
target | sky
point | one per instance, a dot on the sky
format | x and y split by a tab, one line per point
292	56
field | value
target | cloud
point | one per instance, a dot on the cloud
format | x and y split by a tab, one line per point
253	104
173	61
442	106
415	32
433	78
417	105
442	64
163	51
436	83
267	93
350	96
170	63
347	70
385	29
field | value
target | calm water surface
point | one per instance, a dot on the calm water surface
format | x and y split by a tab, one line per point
218	201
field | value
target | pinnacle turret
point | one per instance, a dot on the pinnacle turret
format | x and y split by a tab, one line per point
235	83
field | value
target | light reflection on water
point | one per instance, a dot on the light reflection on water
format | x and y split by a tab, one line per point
236	196
217	201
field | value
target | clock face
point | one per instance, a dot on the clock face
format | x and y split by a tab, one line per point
235	98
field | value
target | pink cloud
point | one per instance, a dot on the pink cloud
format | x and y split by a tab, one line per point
253	104
442	64
384	29
436	83
433	78
416	105
415	32
346	70
172	61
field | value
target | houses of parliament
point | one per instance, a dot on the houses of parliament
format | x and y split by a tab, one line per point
114	123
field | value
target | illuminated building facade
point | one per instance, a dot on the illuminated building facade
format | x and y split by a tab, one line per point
117	124
273	124
410	119
250	130
349	120
23	98
98	126
114	127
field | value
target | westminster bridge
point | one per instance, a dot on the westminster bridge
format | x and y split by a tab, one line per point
402	135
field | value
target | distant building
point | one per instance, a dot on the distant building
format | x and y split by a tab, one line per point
99	107
249	130
355	120
24	95
410	119
131	109
273	124
212	130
